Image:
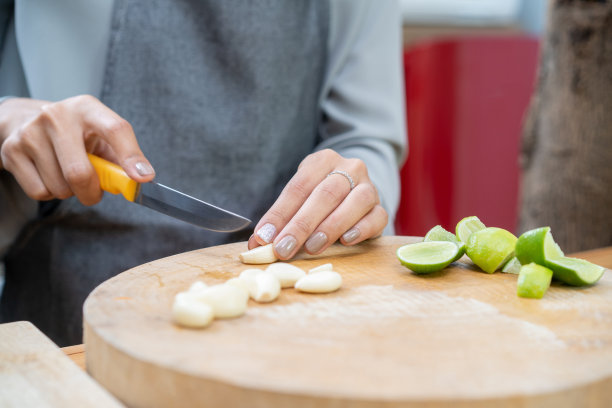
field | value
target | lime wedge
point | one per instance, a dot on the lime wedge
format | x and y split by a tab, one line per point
438	233
512	266
467	226
574	271
425	257
537	245
491	248
533	281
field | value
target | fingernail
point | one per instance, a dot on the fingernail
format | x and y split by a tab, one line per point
286	246
316	242
144	169
351	235
266	232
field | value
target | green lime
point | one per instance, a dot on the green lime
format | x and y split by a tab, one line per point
491	248
438	233
574	271
425	257
533	281
537	245
512	266
467	226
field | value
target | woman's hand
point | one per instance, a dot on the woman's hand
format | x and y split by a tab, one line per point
45	145
329	198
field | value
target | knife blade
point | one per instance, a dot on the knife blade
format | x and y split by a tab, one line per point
166	200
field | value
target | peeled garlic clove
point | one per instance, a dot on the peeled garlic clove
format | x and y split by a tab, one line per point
189	312
267	287
260	255
286	273
226	300
197	286
248	278
239	283
320	282
321	268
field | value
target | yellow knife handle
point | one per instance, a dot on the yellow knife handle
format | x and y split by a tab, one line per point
113	179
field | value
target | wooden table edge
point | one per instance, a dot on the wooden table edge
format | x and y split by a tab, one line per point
77	354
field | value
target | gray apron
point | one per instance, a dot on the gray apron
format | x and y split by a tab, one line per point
223	97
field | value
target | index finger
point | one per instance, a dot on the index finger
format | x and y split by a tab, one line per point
119	134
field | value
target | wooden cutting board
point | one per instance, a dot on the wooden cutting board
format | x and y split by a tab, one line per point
388	337
35	373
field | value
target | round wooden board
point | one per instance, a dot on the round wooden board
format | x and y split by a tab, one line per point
388	338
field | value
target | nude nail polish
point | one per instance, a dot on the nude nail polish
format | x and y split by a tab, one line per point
351	235
144	169
316	242
286	246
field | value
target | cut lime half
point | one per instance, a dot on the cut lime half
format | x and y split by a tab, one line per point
467	226
574	271
438	233
533	281
425	257
537	245
491	248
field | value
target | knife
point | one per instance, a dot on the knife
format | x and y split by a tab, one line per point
165	199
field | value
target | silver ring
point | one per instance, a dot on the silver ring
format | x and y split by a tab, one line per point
345	174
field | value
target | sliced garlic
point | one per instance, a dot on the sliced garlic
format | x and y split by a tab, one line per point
286	273
267	287
226	300
260	255
190	312
321	268
320	282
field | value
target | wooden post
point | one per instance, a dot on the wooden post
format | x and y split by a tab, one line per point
567	142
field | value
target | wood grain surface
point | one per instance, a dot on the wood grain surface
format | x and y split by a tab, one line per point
34	373
388	337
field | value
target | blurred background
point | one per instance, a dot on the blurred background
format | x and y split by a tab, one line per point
470	68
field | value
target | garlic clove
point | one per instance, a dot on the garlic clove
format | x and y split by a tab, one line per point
267	287
241	284
260	255
187	311
321	268
226	300
320	282
286	273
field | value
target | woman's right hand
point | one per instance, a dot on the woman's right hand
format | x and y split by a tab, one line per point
45	145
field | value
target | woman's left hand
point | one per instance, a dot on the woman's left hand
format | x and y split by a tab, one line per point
329	198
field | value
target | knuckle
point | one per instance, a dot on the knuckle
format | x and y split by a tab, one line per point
329	193
302	226
276	214
27	140
382	214
118	126
9	148
77	174
297	187
83	99
38	193
328	155
63	193
358	166
367	195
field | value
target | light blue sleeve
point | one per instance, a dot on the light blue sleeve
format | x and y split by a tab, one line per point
363	98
